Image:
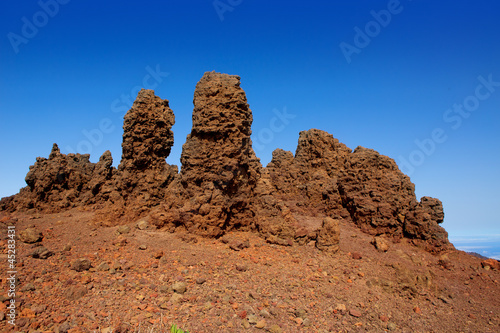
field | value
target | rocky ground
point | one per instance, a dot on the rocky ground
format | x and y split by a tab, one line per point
75	276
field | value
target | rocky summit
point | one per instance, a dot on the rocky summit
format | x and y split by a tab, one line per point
326	239
223	187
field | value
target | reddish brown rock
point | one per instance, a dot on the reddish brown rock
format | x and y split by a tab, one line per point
380	244
491	264
60	182
375	192
222	185
219	168
143	175
308	181
421	224
328	236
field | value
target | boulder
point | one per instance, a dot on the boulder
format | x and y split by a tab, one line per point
328	236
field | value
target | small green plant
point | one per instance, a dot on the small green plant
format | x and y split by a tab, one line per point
174	329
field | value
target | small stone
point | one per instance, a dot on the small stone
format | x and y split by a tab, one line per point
392	326
264	313
30	235
158	254
123	229
176	298
261	324
20	322
252	319
80	265
37	309
67	248
41	252
143	247
275	329
28	287
200	280
142	225
237	244
86	279
163	289
307	322
340	307
179	287
383	318
417	310
120	241
355	313
241	267
245	324
75	292
380	244
300	313
103	266
356	256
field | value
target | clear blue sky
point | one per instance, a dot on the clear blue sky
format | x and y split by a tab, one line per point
381	74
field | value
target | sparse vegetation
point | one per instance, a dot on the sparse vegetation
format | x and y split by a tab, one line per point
174	329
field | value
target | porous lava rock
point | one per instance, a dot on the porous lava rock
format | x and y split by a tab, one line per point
376	194
329	235
223	187
362	186
143	174
308	182
62	181
218	165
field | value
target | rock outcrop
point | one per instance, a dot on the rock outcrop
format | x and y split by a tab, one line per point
61	181
143	174
308	182
219	167
222	186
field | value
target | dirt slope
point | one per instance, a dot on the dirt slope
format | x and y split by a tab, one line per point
238	283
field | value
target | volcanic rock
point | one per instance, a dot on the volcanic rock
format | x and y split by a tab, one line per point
309	180
491	263
380	244
30	235
328	236
81	264
55	183
375	192
143	174
219	167
222	186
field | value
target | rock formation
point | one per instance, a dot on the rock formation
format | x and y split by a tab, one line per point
61	182
143	174
219	167
222	185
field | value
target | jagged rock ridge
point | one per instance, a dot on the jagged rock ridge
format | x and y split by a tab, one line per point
222	186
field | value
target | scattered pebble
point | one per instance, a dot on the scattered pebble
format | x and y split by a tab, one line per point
179	287
355	313
80	265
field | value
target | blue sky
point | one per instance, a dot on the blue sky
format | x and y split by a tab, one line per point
417	80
